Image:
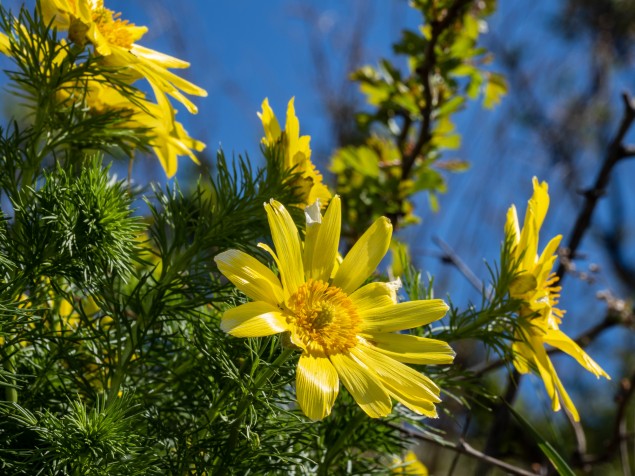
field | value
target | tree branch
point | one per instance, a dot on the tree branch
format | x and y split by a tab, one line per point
425	71
462	447
616	152
621	436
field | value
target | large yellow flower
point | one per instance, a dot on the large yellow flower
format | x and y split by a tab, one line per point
88	21
296	152
536	286
344	331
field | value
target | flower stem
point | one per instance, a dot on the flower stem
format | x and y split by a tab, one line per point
10	391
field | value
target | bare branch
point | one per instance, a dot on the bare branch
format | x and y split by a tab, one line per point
616	152
450	256
426	71
462	447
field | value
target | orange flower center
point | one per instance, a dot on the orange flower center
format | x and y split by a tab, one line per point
323	318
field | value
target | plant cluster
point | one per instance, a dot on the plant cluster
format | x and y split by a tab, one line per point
169	330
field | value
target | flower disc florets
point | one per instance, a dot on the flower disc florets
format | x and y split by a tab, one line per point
113	28
323	318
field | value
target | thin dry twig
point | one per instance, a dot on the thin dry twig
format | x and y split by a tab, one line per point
462	447
616	152
450	256
621	437
425	72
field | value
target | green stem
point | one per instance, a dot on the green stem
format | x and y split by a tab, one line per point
337	447
10	392
122	362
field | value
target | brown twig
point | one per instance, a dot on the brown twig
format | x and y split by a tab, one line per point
501	419
462	447
450	256
621	437
616	152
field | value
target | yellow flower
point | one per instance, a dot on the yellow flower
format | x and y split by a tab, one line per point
88	21
168	138
344	331
536	286
410	465
296	152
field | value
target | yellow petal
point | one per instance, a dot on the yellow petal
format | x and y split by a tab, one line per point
362	384
563	342
528	244
552	382
564	396
412	349
405	315
269	124
318	190
512	228
170	79
523	283
412	466
287	242
157	57
522	356
543	365
362	260
406	385
254	319
292	132
317	385
320	250
98	40
539	201
374	295
547	372
83	10
547	258
313	215
250	276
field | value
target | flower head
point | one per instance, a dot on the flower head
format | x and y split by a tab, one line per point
536	286
168	137
296	152
88	21
344	329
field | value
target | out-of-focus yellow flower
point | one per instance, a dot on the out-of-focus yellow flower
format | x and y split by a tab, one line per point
88	21
409	465
296	152
536	286
169	138
345	332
